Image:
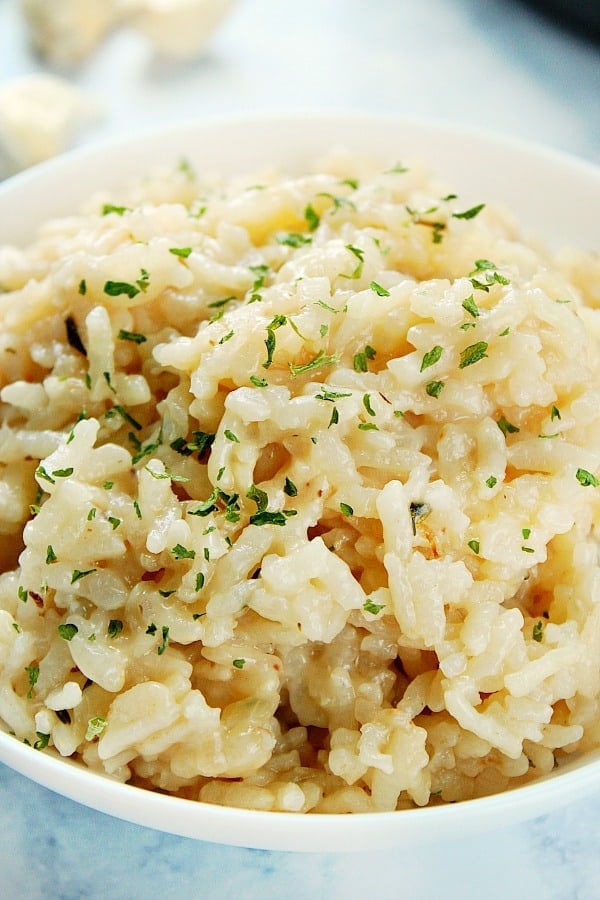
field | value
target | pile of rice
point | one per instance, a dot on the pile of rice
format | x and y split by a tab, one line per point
299	491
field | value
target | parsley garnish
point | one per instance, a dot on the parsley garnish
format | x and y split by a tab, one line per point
182	252
95	726
115	627
586	478
555	413
290	488
318	362
50	555
117	210
431	357
239	663
330	395
346	509
507	427
434	388
82	289
474	545
269	518
34	673
231	436
360	359
258	382
78	575
165	640
181	552
133	336
360	256
471	307
472	354
379	290
469	213
492	481
312	219
68	631
372	608
294	240
199	581
538	631
275	323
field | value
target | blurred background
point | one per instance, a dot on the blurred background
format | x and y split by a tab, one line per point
527	70
531	70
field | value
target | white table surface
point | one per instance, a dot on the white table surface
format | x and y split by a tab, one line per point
491	64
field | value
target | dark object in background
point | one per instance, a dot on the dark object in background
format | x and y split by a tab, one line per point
582	16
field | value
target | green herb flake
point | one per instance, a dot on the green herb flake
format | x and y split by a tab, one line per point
259	382
51	556
67	631
346	509
165	640
78	574
431	357
33	673
538	631
22	594
42	741
199	581
492	481
379	290
397	169
527	549
226	337
360	360
239	663
108	485
312	219
268	518
473	354
418	511
505	332
41	473
231	436
181	552
586	479
290	488
373	608
367	426
117	210
335	417
434	388
474	545
294	240
471	307
114	522
555	414
318	362
151	629
82	289
277	322
331	396
182	252
367	404
360	256
119	288
63	473
134	336
507	427
115	627
95	727
469	213
259	497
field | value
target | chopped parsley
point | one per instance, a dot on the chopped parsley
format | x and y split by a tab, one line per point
586	478
259	382
367	426
555	413
269	518
239	663
117	409
473	354
68	631
367	404
538	631
507	427
51	556
346	509
491	482
474	545
373	608
379	290
199	581
181	552
41	473
434	388
63	473
275	323
114	522
182	252
290	488
117	210
82	289
73	335
133	336
431	357
312	219
33	673
471	307
78	575
360	359
318	362
259	497
330	395
115	627
95	727
294	239
231	436
360	256
137	509
165	640
469	213
335	417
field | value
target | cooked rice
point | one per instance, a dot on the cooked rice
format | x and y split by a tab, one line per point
298	492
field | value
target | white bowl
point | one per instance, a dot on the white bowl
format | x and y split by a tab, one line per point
553	195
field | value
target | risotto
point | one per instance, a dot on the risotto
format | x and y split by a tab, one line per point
299	491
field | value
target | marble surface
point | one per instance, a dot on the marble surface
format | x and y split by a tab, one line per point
496	65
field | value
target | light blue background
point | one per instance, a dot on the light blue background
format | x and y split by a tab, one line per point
491	64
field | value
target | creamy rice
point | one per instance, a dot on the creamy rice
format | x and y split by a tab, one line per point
299	492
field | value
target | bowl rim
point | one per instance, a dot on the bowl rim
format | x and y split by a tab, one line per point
252	828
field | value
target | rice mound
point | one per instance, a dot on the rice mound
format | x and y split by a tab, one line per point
299	491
